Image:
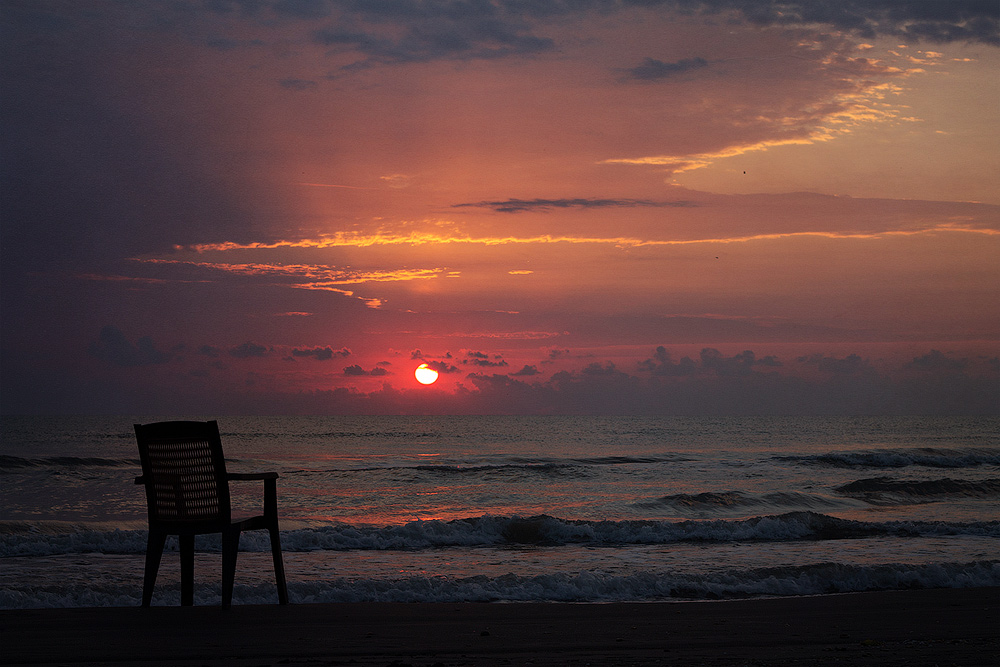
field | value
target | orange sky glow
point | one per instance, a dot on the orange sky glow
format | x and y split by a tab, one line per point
286	207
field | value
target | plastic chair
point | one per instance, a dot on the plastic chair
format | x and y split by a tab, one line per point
187	494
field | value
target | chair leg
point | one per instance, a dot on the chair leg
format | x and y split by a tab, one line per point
279	565
154	551
230	549
187	569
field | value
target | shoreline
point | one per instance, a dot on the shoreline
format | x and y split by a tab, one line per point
912	627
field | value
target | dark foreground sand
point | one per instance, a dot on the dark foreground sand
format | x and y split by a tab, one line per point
924	627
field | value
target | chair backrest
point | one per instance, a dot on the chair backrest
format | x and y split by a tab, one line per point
184	471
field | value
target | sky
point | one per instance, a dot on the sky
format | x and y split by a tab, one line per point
564	206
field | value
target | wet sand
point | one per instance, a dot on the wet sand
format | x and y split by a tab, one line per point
920	627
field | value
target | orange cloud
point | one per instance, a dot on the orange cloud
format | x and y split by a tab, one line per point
419	239
319	276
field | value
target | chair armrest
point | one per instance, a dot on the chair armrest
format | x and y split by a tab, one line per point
270	489
248	476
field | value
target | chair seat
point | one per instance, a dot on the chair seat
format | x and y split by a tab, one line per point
259	522
251	523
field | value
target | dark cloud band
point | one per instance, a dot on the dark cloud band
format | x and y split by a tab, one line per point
653	70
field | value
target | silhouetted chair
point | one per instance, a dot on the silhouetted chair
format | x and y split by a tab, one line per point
187	494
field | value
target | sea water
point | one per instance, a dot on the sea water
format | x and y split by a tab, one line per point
582	509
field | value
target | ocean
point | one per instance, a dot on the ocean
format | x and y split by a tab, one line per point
511	509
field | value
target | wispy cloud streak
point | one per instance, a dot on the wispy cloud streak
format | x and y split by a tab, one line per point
330	275
417	239
522	205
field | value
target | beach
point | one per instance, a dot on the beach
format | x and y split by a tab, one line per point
916	627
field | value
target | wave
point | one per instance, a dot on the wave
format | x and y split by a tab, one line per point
625	460
818	579
17	462
930	457
886	490
26	539
343	435
727	500
648	586
529	464
546	467
444	469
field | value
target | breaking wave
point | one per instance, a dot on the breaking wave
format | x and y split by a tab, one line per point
28	539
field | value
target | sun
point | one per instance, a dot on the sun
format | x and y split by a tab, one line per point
425	374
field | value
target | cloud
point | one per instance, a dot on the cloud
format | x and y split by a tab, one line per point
302	9
937	362
712	218
321	353
302	276
852	363
248	350
968	388
728	385
527	371
444	367
522	205
486	363
403	32
597	368
958	20
482	359
513	335
710	361
114	347
653	70
739	364
399	33
406	32
660	364
297	84
357	371
397	181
